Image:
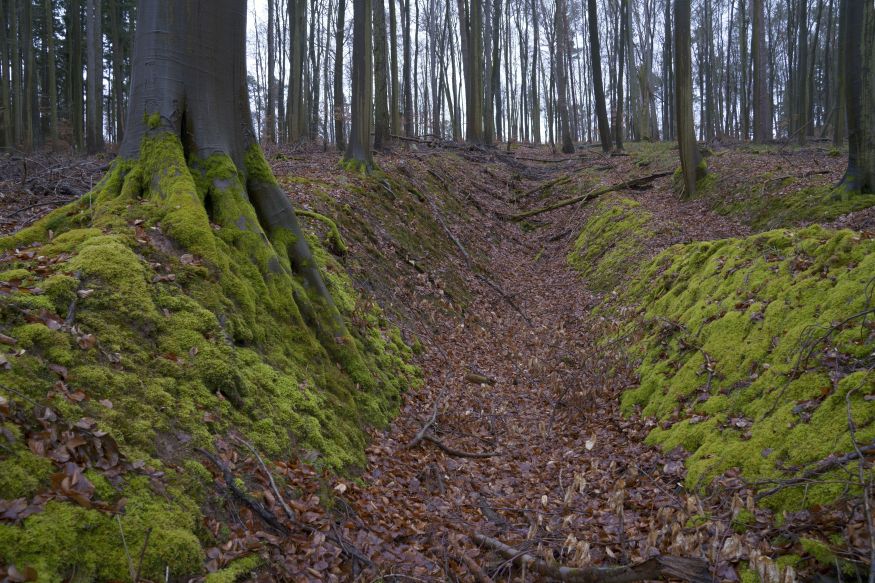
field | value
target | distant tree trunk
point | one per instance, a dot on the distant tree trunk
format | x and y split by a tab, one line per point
77	108
859	50
800	105
668	102
561	28
761	117
408	63
270	115
496	67
338	76
381	84
745	106
488	112
297	117
841	82
692	165
29	76
358	151
94	98
51	70
621	44
394	105
536	53
118	75
471	19
6	122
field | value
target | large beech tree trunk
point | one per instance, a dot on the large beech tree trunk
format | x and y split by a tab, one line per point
189	80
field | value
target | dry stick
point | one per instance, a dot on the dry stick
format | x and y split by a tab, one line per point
457	452
431	421
142	554
267	516
821	468
865	484
276	492
479	575
125	546
693	570
591	195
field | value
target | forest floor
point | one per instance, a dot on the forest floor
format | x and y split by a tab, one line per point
516	433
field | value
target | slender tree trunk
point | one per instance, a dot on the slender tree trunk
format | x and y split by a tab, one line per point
394	105
94	98
51	69
77	107
358	151
859	52
297	116
472	49
800	102
5	71
270	115
561	31
536	53
841	83
618	114
745	106
668	118
17	109
408	74
118	75
381	85
29	97
338	76
692	165
761	117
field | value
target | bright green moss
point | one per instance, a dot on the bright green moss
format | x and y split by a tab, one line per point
221	346
61	290
23	474
153	120
720	362
236	570
743	521
21	275
610	242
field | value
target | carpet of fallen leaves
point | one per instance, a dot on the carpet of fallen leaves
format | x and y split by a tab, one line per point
516	433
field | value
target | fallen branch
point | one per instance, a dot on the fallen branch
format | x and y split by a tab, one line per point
821	468
425	434
634	183
693	570
456	452
479	575
270	518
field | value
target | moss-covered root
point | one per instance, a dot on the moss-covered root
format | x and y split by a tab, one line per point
334	236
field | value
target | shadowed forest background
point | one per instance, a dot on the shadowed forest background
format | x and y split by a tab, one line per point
437	290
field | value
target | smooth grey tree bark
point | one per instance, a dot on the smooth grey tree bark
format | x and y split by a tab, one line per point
859	51
358	150
189	80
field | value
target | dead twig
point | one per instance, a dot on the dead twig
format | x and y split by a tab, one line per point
291	515
693	570
634	183
822	467
142	555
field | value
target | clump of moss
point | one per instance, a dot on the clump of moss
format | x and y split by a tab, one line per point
185	324
610	242
742	335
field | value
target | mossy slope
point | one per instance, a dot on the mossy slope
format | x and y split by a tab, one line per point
173	321
606	249
753	347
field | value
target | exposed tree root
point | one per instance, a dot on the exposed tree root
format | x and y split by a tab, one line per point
694	570
634	183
